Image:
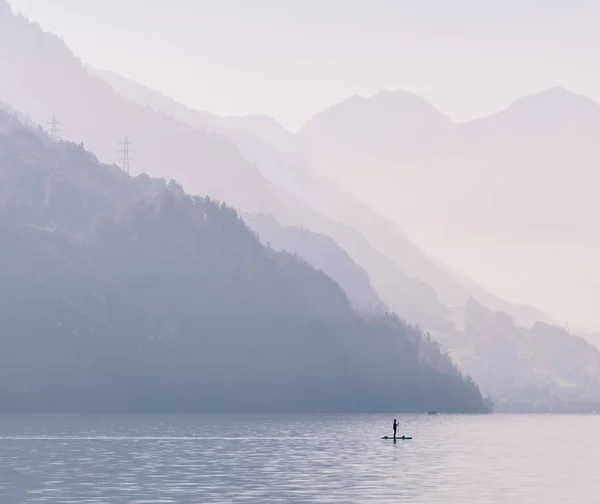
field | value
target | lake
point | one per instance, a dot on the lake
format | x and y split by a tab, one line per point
452	459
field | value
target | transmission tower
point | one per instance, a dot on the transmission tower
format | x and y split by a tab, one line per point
126	155
53	130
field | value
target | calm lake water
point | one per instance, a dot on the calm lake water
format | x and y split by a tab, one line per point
319	458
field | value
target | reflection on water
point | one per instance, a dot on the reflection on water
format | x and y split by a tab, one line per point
328	458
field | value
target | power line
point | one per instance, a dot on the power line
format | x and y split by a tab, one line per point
53	130
126	155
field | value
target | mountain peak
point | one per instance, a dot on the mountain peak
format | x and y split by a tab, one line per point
556	94
386	116
392	100
398	95
556	101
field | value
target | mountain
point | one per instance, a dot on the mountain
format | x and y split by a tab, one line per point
592	339
437	304
387	122
44	78
487	194
127	294
495	181
157	101
258	127
411	283
265	129
324	254
237	162
203	157
542	144
523	315
555	111
540	369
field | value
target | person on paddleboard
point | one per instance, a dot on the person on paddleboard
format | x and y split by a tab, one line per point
395	426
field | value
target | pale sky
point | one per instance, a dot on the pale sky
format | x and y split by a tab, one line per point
291	58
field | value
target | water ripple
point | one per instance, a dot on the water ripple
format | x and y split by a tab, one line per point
322	458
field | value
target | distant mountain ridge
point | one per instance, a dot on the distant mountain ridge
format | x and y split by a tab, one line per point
46	79
503	156
541	369
124	294
397	117
523	178
323	253
290	171
418	302
260	127
201	157
233	159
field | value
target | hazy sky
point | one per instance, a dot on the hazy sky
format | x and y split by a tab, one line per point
291	58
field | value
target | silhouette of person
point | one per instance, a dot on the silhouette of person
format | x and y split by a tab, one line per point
395	425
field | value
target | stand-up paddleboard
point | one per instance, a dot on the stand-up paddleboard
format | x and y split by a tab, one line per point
397	437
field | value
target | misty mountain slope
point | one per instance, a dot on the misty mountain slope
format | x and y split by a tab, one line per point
593	339
264	129
542	144
523	315
259	128
555	111
46	74
413	299
200	157
42	77
322	253
157	101
478	348
389	120
467	345
292	173
126	294
12	119
539	369
523	178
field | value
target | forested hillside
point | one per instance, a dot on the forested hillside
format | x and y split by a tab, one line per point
126	294
541	369
506	355
323	253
